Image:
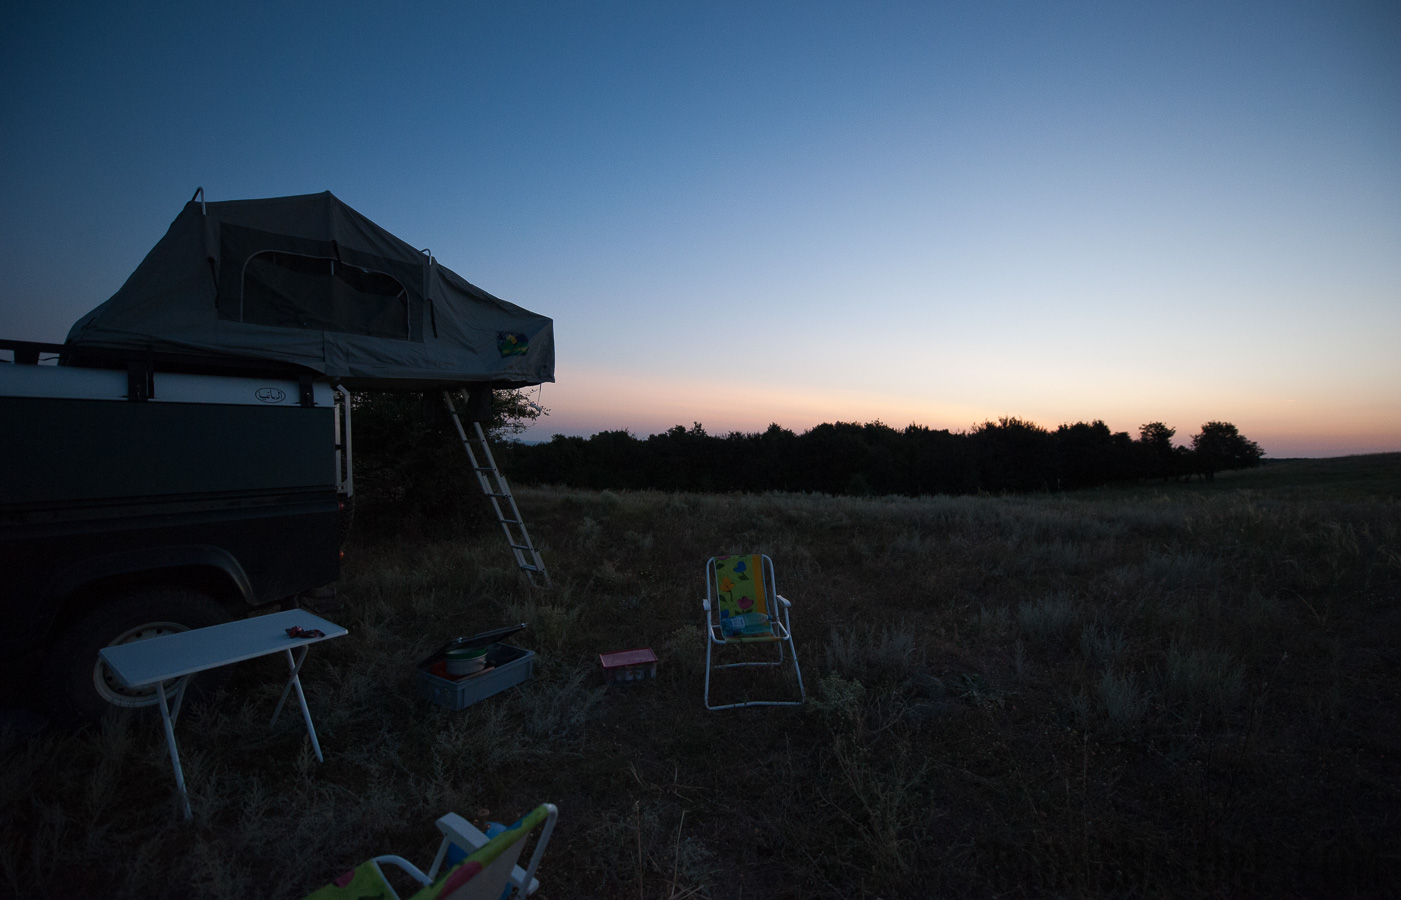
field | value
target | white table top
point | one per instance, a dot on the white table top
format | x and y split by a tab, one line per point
170	656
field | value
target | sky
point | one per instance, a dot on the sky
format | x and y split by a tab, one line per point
744	213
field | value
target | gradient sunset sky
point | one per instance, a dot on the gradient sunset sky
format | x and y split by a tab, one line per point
793	212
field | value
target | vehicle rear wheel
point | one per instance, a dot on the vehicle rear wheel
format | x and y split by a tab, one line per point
79	685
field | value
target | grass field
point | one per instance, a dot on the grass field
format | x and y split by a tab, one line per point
1170	690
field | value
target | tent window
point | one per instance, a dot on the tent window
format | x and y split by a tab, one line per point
289	290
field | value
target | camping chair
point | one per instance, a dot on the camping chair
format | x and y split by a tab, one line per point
741	607
487	874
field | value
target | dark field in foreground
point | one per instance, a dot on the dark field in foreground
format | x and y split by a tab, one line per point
1176	690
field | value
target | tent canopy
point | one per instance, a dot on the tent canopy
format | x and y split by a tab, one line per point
309	281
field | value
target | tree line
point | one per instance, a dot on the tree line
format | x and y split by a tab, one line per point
1009	455
408	456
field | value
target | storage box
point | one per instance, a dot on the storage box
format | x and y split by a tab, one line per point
506	666
627	666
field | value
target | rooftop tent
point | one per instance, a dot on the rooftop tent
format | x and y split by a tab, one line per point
308	281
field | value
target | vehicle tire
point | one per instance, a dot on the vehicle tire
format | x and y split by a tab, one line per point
79	687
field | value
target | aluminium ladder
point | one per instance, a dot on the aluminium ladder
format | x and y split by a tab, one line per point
493	485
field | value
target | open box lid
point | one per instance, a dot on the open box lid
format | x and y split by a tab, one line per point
482	639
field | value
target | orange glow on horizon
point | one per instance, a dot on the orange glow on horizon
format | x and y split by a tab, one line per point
588	402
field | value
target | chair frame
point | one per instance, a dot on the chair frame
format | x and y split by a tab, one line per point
457	830
779	621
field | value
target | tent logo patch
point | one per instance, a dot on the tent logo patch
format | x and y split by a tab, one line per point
270	395
512	343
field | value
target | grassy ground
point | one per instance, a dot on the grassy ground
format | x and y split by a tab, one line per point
1175	690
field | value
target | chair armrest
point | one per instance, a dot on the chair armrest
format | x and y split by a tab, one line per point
412	870
782	599
457	830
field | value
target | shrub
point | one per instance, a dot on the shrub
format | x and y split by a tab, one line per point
888	653
1100	644
1048	621
1199	680
1121	701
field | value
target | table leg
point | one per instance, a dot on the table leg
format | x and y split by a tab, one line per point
170	745
179	698
296	668
295	683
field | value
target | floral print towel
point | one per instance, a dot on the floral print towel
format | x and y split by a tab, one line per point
742	598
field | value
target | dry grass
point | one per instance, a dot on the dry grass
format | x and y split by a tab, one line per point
1165	692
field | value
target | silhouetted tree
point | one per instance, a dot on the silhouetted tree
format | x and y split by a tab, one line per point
883	474
1013	455
1158	457
831	457
772	469
937	462
1090	454
684	459
409	457
1219	446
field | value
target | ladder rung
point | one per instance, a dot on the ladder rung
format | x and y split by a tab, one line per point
494	494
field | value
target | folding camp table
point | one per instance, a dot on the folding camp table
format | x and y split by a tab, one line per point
169	658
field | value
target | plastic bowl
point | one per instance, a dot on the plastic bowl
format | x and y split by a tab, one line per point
465	662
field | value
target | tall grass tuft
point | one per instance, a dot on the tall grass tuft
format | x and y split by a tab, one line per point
1048	621
1121	700
885	653
1200	680
1102	644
